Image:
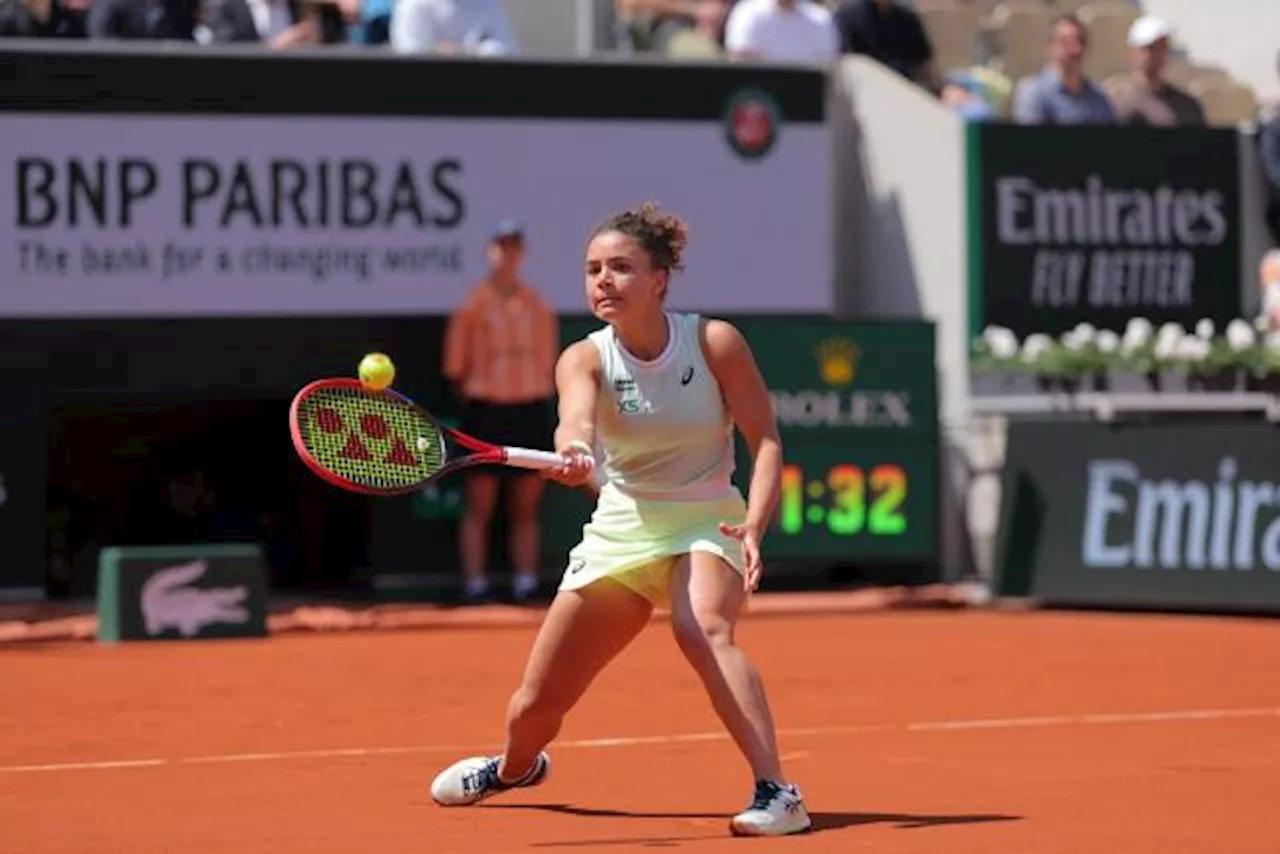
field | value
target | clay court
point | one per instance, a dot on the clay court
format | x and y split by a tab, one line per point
912	731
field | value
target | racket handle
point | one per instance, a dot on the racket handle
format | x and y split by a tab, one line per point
524	458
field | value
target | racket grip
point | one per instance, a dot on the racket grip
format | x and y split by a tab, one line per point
524	458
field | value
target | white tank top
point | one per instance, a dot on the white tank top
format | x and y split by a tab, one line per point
662	425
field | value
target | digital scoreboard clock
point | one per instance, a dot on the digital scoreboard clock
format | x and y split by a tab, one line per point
846	499
866	503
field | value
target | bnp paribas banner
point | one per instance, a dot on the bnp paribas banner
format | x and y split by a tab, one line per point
1100	224
326	185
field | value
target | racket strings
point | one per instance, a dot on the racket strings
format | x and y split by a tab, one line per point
369	438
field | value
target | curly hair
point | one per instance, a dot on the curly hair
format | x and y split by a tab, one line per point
663	236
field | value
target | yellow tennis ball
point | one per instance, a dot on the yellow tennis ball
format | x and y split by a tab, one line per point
376	371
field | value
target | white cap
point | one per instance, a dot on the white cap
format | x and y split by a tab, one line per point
1148	30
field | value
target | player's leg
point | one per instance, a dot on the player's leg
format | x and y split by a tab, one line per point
706	600
583	631
526	532
473	531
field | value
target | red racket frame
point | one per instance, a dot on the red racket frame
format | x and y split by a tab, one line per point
483	452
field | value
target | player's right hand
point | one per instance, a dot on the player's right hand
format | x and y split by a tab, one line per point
576	469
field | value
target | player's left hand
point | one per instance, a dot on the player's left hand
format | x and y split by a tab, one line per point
577	469
751	562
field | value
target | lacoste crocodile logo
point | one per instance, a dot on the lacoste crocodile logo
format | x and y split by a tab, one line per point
168	601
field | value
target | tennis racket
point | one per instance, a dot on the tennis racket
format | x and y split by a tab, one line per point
382	443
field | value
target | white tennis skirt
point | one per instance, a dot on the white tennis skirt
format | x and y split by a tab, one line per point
637	542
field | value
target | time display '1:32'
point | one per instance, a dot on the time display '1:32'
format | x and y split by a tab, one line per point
846	498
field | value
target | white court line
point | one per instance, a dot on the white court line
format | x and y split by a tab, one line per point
1086	720
297	754
92	766
678	738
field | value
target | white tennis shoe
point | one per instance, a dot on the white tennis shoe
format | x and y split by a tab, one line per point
470	781
775	810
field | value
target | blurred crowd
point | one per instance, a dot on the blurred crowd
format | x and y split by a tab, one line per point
1028	61
1056	62
479	27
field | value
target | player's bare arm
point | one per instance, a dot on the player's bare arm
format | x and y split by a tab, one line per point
578	386
747	398
751	407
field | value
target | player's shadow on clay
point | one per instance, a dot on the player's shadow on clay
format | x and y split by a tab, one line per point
821	820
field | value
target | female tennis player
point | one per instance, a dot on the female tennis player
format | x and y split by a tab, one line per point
660	393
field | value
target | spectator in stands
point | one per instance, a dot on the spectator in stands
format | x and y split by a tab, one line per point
452	26
43	19
276	24
1061	94
1147	98
1269	143
781	31
370	20
1269	282
893	35
500	351
965	94
651	24
155	20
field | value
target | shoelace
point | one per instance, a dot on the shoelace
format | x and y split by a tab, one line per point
764	795
484	777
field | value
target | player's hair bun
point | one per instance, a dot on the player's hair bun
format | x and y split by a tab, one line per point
663	235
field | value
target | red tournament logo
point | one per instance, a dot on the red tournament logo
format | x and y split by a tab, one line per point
751	124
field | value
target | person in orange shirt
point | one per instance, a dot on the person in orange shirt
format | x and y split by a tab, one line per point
500	350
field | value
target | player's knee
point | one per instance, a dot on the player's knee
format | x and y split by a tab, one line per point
699	636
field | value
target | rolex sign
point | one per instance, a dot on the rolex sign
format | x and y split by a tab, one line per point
812	408
843	376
